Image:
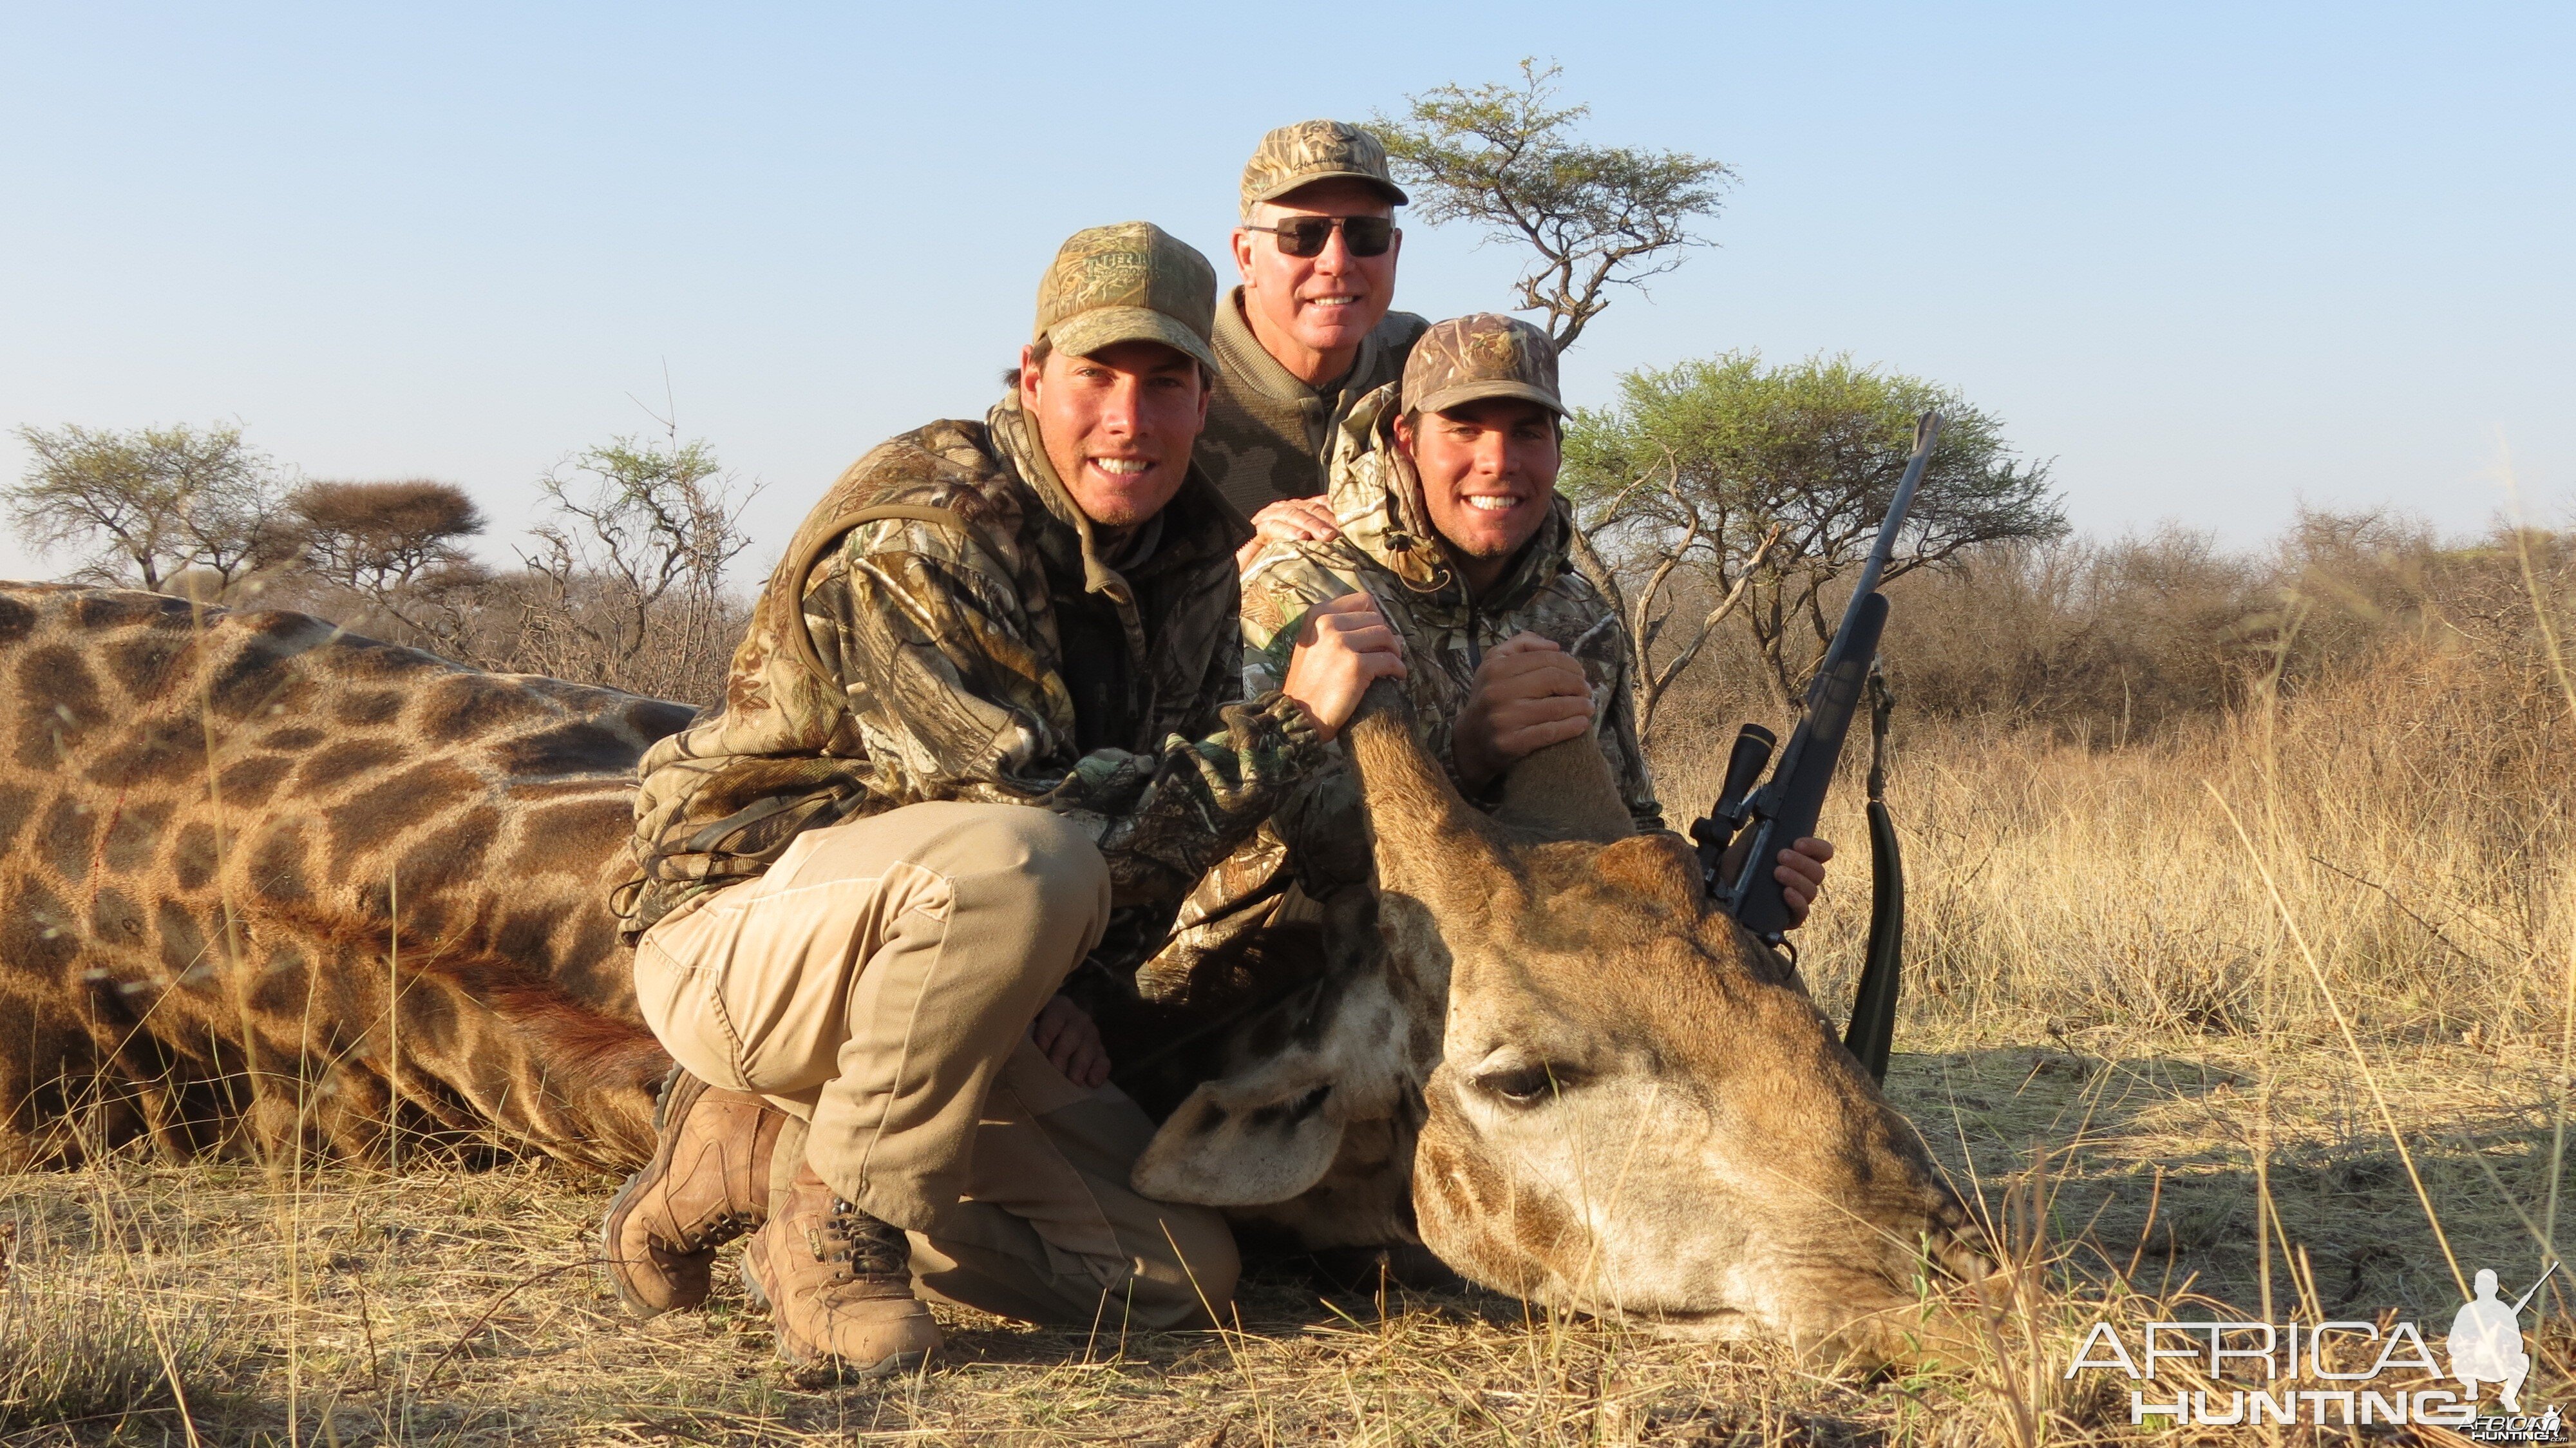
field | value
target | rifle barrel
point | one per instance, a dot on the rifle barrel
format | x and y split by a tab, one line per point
1927	431
2525	1300
1787	807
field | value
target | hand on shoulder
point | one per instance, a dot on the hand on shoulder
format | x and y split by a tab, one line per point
1289	520
1343	647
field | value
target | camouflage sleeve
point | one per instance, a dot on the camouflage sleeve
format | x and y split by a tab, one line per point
1283	584
1320	821
954	701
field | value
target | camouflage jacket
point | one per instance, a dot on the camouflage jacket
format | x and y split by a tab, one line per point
942	655
1387	547
1270	436
1318	838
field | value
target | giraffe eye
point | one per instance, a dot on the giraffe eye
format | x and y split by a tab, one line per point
1520	1083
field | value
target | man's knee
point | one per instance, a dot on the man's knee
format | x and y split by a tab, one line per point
1035	864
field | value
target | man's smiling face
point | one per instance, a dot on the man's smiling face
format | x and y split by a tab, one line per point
1488	471
1325	304
1118	425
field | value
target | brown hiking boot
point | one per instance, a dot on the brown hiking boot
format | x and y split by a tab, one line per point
707	1184
838	1284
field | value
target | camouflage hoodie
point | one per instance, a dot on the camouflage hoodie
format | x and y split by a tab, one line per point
1388	547
941	651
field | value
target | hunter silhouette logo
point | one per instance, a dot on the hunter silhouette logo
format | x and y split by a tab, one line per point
2486	1341
2485	1347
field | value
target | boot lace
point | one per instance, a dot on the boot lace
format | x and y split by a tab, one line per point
864	1246
714	1232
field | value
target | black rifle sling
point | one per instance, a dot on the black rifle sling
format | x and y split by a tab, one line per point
796	568
1872	1032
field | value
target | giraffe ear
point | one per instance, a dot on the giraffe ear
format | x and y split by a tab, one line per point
1246	1141
1270	1129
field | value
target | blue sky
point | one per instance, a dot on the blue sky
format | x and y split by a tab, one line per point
2213	260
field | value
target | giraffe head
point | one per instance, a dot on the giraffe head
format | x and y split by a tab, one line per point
1637	1109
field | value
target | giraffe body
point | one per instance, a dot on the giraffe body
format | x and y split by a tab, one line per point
226	836
1558	1072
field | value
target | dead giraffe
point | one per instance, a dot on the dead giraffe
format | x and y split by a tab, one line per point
224	836
1573	1083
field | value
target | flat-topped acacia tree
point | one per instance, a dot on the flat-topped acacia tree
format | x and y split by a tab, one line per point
1506	158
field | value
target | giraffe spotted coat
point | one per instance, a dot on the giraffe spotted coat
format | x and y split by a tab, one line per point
261	879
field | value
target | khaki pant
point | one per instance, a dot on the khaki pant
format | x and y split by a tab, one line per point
877	983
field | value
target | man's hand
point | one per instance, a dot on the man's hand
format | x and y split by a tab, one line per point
1528	694
1345	646
1801	874
1801	871
1290	520
1070	1039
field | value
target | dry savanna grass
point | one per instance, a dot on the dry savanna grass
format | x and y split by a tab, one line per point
448	1306
2270	1014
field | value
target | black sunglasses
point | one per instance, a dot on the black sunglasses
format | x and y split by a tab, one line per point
1307	235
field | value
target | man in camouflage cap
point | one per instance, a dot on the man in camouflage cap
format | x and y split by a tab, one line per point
1308	333
1446	512
984	726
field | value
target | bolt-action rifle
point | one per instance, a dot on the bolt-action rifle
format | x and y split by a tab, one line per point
1786	807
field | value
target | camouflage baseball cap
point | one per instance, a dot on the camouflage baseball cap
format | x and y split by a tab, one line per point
1312	151
1477	356
1133	282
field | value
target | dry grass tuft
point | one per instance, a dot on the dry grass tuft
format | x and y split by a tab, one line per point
84	1347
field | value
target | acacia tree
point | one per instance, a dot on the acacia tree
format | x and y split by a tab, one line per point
149	505
1504	156
628	572
399	545
1762	486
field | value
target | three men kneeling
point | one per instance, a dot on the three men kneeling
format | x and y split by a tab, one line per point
1000	709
